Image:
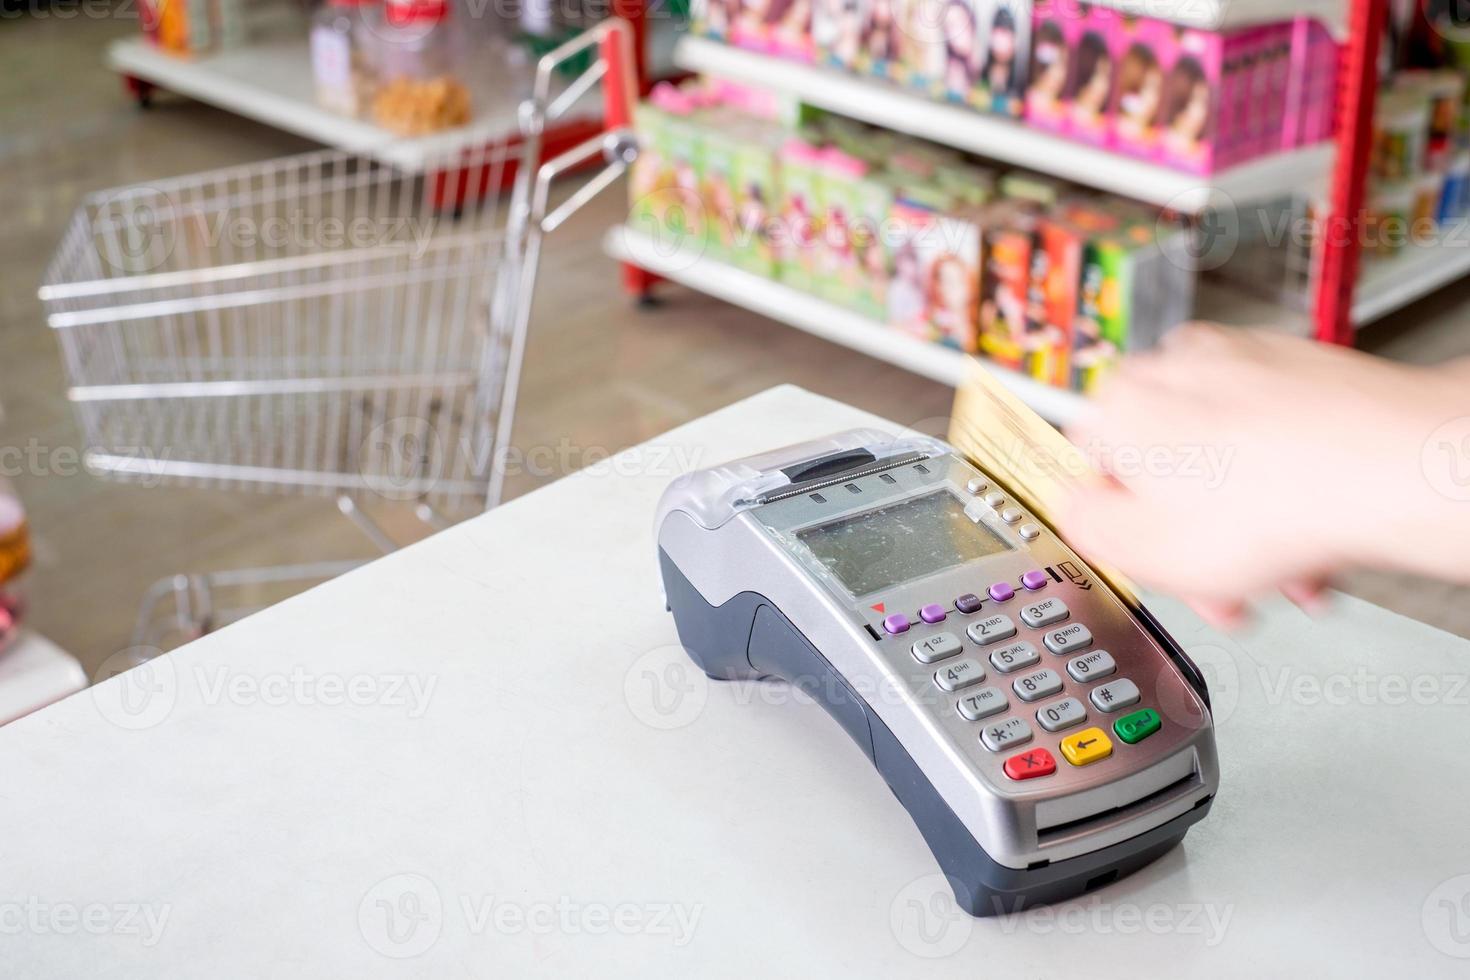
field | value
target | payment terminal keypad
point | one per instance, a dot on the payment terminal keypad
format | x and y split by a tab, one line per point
1004	717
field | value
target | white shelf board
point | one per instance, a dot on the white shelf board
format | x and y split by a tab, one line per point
1225	15
271	82
34	673
827	320
1008	140
1388	285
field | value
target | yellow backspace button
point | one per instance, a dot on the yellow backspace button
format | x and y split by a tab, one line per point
1087	746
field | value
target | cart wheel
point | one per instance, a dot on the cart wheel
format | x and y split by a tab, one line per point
141	91
647	301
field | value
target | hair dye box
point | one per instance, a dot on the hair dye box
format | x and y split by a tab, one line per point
1057	27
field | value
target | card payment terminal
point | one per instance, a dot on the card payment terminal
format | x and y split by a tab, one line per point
1046	737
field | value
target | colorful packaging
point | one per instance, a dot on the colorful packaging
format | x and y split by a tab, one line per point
1009	236
1062	241
1442	92
880	44
1006	29
1137	283
951	70
1204	113
1148	53
857	202
1400	128
798	226
1056	30
837	32
1093	75
950	259
664	189
1037	188
757	193
714	18
779	27
718	159
836	270
1454	201
910	220
921	44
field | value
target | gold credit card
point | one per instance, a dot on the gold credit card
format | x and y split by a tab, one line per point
1035	463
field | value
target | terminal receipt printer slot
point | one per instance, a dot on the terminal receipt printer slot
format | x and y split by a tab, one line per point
1045	737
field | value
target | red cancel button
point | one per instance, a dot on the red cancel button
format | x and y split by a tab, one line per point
1029	765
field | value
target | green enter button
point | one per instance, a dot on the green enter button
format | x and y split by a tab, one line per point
1137	726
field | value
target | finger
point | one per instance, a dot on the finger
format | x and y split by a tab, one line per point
1310	595
1222	614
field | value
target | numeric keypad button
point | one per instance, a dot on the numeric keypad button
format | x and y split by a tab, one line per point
992	629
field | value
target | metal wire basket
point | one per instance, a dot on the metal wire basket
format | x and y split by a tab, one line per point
327	323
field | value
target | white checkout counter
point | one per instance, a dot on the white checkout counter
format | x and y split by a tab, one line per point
485	756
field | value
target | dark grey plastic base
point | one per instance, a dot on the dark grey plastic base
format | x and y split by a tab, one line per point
748	637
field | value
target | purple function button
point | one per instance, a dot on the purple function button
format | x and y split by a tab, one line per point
1034	580
1000	592
932	613
896	623
967	603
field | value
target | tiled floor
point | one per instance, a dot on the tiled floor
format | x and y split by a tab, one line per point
600	374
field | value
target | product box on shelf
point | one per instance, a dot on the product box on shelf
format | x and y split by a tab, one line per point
757	193
1137	283
1148	52
1057	27
798	225
714	19
1208	113
881	39
719	156
1009	231
651	181
1062	238
971	52
779	27
837	32
856	201
934	292
911	217
1093	76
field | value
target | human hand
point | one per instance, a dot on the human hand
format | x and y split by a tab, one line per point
1238	462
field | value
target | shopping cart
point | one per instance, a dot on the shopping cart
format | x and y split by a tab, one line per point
329	323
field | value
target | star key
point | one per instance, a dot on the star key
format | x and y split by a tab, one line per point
1030	764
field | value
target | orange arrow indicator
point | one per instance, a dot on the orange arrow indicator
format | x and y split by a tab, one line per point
877	607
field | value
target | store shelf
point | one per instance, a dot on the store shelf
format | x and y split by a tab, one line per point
826	320
1224	15
271	82
1388	285
881	104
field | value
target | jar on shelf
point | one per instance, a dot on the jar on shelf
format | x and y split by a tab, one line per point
15	555
420	70
343	45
